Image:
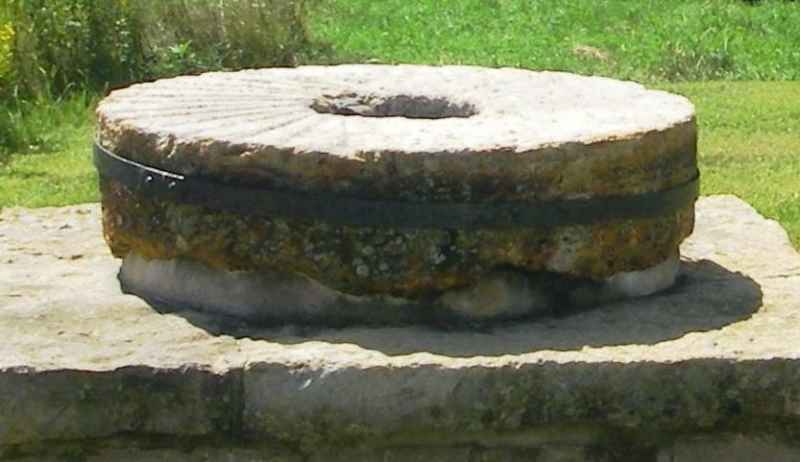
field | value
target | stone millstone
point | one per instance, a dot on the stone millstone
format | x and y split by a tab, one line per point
401	133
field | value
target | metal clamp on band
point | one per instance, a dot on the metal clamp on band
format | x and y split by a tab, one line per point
152	182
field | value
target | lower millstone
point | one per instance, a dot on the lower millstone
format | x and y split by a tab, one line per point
369	261
275	297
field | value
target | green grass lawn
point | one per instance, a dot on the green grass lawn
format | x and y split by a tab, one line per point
54	166
750	144
644	40
749	130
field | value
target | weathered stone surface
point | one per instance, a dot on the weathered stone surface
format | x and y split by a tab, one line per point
88	452
72	404
415	264
730	448
713	354
705	448
274	297
408	454
407	133
595	135
129	450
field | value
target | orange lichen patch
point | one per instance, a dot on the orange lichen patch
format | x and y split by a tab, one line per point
631	245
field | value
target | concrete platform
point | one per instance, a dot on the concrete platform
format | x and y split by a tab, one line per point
708	371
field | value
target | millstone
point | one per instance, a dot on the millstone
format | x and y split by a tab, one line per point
395	190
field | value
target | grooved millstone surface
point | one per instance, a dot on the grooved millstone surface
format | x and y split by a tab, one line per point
719	351
410	133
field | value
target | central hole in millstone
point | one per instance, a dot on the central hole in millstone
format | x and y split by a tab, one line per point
409	106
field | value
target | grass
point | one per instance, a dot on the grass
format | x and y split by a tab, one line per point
750	137
50	164
750	144
645	40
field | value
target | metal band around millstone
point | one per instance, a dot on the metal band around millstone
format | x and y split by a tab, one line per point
250	200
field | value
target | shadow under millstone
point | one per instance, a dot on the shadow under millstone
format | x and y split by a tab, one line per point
707	297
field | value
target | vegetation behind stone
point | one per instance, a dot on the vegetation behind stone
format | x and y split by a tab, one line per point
49	46
643	40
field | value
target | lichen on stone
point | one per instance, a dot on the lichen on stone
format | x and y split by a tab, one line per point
410	263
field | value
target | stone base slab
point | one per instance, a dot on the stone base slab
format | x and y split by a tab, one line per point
707	448
709	370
